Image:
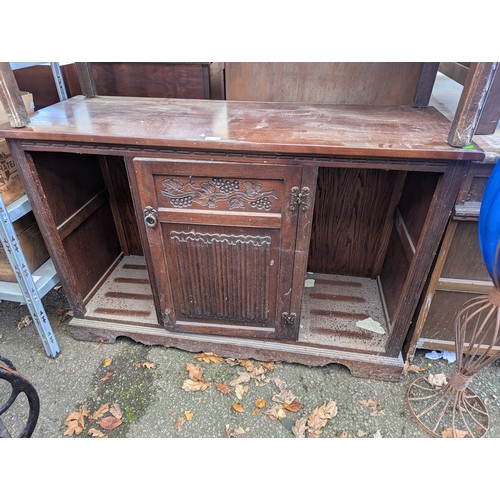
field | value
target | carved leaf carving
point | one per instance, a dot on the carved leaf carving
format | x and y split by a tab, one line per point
252	188
173	188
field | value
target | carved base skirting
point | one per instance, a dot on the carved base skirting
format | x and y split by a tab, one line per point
359	364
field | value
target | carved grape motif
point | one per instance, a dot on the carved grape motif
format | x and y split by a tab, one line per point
209	193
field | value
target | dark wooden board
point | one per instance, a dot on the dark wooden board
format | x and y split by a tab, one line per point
349	218
378	131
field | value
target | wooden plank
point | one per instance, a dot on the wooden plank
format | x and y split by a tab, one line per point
389	221
488	121
81	215
425	84
217	80
455	70
462	285
359	83
86	79
426	248
10	97
470	105
404	236
45	218
209	125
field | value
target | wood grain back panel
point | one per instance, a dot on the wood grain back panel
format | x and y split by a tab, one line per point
323	82
350	212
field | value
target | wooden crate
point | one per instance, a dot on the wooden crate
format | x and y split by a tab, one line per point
32	244
11	187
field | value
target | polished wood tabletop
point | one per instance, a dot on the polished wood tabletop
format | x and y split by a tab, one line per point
289	128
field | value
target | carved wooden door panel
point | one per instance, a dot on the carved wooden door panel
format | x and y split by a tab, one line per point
222	238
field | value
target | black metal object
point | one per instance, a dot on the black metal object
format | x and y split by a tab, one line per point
19	385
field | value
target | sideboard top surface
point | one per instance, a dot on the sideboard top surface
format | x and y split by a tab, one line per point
286	128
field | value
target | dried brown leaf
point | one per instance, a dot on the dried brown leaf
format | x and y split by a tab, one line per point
370	403
110	423
188	414
107	361
285	396
209	357
320	417
243	378
279	384
413	369
180	422
260	403
247	364
100	411
343	434
294	407
194	385
75	422
107	375
235	432
453	433
224	388
195	372
24	322
97	433
237	407
231	361
240	390
116	411
255	412
438	380
268	365
276	412
300	427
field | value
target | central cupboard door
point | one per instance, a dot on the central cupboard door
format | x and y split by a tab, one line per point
222	239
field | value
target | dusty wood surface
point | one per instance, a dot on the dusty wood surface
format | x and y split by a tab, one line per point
378	131
10	97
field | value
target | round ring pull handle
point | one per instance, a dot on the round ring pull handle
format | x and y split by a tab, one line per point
150	217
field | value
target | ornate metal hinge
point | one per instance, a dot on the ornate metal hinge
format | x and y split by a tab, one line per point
288	319
299	197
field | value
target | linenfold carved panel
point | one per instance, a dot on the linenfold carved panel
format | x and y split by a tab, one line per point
223	276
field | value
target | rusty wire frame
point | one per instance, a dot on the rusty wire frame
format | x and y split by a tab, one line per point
455	410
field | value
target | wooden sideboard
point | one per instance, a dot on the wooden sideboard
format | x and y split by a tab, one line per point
263	230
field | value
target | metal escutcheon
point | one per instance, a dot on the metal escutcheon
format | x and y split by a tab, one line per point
150	217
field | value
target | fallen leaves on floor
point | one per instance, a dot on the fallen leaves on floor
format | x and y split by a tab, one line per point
240	390
224	388
107	375
276	412
374	405
243	378
180	422
109	423
314	423
24	322
260	403
97	433
413	369
188	414
195	382
453	433
209	357
238	407
107	361
75	421
294	407
235	432
438	380
145	364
